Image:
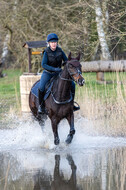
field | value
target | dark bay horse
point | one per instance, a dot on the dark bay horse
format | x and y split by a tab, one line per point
59	104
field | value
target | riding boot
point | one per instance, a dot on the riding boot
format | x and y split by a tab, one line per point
75	108
41	108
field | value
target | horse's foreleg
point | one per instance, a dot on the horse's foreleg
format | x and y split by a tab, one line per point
72	179
55	131
70	119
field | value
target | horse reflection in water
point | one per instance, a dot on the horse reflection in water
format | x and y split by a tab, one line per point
57	181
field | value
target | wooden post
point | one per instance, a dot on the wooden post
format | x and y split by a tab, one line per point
29	60
100	76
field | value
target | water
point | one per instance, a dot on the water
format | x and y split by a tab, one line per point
30	160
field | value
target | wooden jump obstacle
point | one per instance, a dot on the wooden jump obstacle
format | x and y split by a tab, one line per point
28	79
103	66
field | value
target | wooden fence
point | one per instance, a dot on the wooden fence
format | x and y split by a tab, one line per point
104	66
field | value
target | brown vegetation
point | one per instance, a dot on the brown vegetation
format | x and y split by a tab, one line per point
74	21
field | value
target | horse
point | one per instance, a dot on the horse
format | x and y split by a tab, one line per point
59	104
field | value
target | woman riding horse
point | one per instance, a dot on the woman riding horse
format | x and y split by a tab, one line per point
52	62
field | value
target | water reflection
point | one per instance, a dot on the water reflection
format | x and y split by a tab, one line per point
58	181
90	169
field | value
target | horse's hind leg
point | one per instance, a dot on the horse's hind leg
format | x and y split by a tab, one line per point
55	131
70	119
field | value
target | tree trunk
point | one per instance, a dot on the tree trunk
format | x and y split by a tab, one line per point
101	34
5	49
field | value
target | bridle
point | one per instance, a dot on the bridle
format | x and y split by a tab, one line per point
77	71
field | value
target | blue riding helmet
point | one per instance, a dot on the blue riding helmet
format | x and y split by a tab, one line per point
52	38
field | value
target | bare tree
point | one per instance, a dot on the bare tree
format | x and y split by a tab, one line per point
100	29
92	27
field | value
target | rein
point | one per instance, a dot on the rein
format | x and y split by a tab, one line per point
65	79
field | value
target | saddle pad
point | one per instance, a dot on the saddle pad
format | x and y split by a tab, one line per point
34	89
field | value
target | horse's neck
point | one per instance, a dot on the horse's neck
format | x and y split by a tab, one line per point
63	87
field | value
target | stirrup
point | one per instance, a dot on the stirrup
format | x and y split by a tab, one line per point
41	109
76	108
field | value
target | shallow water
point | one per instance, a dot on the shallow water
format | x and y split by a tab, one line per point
30	161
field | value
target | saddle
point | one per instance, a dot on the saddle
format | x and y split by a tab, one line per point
35	87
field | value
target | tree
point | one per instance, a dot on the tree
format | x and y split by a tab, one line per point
92	27
100	29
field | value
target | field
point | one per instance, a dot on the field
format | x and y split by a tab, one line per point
9	92
104	103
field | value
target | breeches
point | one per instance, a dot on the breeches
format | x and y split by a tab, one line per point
45	78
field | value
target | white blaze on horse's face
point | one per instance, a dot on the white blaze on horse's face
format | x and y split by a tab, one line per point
76	74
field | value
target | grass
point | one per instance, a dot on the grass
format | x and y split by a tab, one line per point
104	104
9	91
107	90
10	83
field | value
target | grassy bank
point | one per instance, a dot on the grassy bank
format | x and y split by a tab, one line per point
104	104
9	91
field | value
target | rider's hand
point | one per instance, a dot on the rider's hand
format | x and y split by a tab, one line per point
58	70
64	63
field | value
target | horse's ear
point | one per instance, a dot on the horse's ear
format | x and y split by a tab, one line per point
69	56
78	57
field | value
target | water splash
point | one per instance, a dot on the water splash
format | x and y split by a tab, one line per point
29	149
27	134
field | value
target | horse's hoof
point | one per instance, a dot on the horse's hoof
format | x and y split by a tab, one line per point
69	139
72	132
56	141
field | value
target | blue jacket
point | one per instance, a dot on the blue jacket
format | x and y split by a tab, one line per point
53	66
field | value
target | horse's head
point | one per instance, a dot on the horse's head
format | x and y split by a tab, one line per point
74	69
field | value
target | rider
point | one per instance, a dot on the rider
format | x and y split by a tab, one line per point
51	62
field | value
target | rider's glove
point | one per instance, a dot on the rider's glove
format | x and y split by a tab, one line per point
58	70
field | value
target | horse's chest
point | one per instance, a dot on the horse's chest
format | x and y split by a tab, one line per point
59	111
63	111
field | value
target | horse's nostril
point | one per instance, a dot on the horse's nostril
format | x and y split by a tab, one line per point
81	81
